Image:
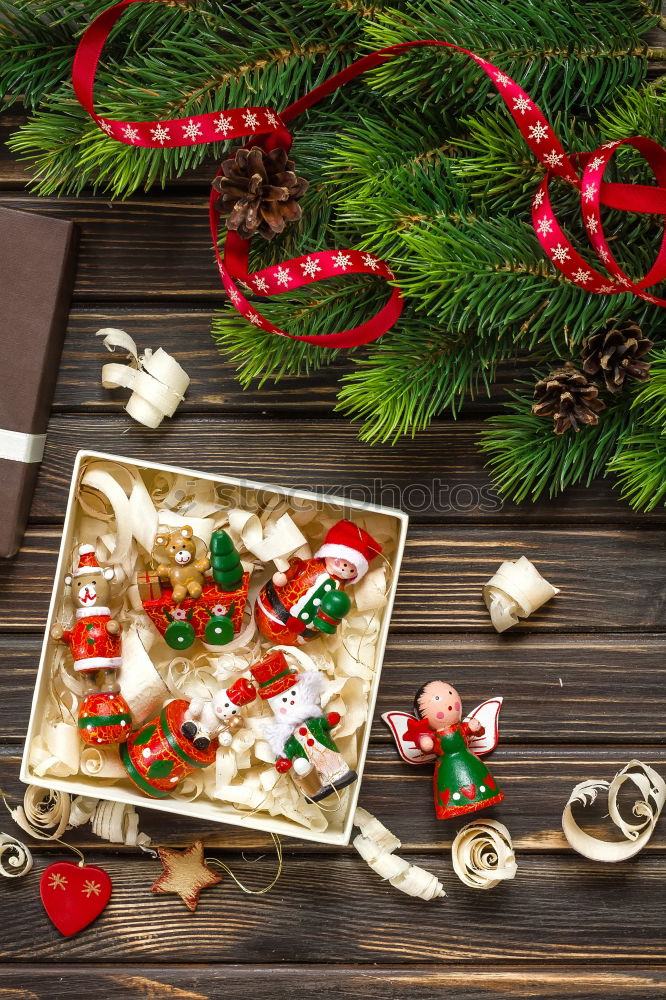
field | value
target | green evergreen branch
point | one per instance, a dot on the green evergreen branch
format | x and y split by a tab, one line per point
640	469
526	459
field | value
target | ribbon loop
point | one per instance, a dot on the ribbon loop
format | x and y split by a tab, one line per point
270	127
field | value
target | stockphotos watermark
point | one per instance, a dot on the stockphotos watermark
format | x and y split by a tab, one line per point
434	497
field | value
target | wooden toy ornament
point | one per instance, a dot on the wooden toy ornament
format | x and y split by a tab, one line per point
300	737
309	599
185	873
218	717
462	783
95	643
74	895
180	598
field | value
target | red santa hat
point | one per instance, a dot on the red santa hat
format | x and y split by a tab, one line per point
273	675
347	541
241	692
88	563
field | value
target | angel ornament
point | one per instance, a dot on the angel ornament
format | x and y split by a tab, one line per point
462	783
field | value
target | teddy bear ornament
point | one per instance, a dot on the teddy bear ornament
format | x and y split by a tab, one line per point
437	732
95	644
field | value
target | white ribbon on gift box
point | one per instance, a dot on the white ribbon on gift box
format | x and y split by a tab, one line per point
15	446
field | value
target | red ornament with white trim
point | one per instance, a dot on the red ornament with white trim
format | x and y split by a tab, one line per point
94	641
309	599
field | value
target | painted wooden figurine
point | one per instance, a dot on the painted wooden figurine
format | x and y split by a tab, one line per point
95	644
189	598
218	716
309	599
300	735
462	783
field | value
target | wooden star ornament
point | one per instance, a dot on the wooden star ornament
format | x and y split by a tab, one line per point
185	873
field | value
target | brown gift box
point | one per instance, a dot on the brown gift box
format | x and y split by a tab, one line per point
37	269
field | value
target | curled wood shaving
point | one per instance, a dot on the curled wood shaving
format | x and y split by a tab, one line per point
482	854
647	809
15	858
376	844
156	380
46	814
515	591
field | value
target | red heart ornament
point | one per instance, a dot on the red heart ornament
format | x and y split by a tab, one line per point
74	895
469	791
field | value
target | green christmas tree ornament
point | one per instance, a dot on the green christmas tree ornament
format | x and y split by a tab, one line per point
225	561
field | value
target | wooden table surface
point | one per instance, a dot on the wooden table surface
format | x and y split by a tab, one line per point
583	682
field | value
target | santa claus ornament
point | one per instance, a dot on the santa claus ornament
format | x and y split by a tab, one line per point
309	599
462	783
300	735
95	644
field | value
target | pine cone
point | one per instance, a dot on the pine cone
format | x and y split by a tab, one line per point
617	351
260	192
567	397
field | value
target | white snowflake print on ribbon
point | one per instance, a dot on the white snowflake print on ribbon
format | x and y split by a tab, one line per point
605	289
589	192
522	104
624	281
222	124
560	253
604	254
502	79
310	267
545	226
538	132
538	199
597	162
341	260
271	119
250	119
283	276
192	130
130	133
260	284
582	276
610	145
254	319
553	159
160	133
234	296
370	262
592	223
106	126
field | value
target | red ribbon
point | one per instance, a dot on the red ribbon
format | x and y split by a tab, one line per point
299	271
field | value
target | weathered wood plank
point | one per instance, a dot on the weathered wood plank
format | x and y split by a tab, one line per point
585	689
441	579
330	982
558	908
536	781
214	388
437	477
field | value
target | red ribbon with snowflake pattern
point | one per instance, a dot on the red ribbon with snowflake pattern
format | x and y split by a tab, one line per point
268	128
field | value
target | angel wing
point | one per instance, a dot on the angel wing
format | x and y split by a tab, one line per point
488	715
405	728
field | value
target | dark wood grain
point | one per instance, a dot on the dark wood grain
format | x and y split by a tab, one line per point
442	575
185	333
557	689
536	780
337	912
438	477
331	982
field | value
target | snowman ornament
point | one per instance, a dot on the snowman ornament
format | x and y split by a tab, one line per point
300	734
94	641
218	716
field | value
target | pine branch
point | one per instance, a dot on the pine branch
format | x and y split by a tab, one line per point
526	459
570	54
640	469
416	374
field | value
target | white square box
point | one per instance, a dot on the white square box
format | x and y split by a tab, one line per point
205	809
